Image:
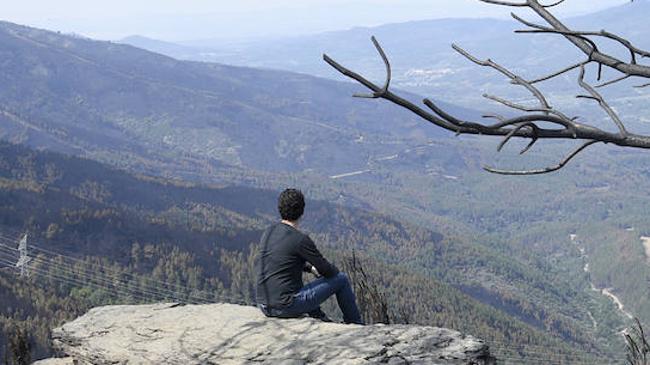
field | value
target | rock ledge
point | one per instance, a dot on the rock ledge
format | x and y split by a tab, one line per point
230	334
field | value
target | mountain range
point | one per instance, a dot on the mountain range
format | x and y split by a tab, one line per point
502	244
121	103
424	62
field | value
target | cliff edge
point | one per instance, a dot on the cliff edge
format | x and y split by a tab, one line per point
230	334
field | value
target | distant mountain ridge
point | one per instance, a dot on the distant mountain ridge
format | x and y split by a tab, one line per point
157	46
127	105
424	62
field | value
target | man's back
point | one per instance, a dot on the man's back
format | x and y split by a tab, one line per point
283	253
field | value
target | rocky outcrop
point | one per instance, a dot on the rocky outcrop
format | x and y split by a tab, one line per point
230	334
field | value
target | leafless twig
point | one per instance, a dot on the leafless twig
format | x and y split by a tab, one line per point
530	124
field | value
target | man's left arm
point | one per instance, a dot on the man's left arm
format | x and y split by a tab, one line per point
310	253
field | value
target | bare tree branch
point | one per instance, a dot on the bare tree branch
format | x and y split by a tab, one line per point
601	101
530	124
513	78
558	73
384	89
611	82
602	33
632	68
535	130
544	170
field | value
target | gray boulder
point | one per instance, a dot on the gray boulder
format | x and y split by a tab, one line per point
230	334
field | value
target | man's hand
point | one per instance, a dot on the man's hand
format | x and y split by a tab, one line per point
314	271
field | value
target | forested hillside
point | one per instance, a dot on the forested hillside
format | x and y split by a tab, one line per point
414	202
134	108
136	239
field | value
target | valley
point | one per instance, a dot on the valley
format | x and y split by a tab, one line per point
99	233
142	163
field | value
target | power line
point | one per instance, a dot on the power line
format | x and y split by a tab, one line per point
73	280
8	254
126	286
78	282
115	272
37	248
155	291
120	292
113	281
117	291
105	283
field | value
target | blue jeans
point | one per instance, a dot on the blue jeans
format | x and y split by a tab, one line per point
310	297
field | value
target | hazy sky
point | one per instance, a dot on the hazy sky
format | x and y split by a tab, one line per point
200	19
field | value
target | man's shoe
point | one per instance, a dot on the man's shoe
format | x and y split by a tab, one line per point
319	314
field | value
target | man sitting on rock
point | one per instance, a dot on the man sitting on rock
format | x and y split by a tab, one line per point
285	253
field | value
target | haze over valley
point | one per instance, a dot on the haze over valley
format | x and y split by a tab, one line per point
424	62
159	159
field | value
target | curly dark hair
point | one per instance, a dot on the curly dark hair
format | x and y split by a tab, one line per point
291	204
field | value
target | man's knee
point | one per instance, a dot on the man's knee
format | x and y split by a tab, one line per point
343	277
339	281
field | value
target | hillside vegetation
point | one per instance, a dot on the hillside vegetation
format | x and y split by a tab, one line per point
141	240
414	201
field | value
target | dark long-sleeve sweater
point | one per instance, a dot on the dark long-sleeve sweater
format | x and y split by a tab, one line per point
283	253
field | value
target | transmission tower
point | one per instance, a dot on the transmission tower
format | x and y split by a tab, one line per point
24	258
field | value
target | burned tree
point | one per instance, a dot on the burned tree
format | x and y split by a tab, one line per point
542	121
19	346
636	343
372	301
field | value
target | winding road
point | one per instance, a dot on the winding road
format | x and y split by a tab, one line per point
608	292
